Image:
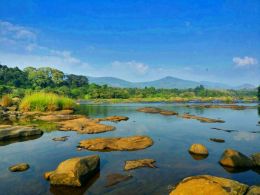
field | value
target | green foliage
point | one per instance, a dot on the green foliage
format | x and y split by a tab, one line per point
13	76
45	102
258	93
49	80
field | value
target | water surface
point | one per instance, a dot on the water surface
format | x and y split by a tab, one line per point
172	137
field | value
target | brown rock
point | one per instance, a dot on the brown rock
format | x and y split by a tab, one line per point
117	143
133	164
57	117
11	132
116	178
198	149
74	171
114	118
206	184
63	139
149	110
19	167
154	110
254	190
228	106
217	140
84	125
202	119
233	158
256	159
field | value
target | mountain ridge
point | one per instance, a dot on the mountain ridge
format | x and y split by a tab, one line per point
167	82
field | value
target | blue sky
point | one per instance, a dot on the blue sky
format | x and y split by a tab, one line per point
135	40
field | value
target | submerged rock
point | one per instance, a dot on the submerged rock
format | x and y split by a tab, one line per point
75	171
11	132
206	184
217	140
233	158
256	159
64	138
114	118
202	119
57	117
19	167
154	110
117	143
133	164
116	178
229	106
84	125
226	130
198	149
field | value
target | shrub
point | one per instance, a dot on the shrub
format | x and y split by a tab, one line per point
46	102
6	101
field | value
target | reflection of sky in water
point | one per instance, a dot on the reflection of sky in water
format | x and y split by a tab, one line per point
172	137
245	136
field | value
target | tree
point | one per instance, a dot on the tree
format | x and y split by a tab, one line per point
258	92
76	80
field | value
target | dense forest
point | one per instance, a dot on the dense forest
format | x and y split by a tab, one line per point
18	82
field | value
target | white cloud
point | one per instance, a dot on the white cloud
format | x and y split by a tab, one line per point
16	32
133	66
244	62
19	47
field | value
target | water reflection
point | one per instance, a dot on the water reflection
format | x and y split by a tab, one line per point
66	190
198	156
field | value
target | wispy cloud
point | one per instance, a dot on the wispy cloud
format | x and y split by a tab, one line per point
132	66
16	32
244	61
20	48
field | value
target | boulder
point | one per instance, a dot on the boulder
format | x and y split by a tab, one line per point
19	167
206	184
84	125
133	164
253	190
11	132
75	171
202	119
198	149
117	143
115	178
233	158
256	159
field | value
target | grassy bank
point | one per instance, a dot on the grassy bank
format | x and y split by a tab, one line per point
45	102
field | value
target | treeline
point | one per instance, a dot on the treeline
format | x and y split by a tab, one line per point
19	82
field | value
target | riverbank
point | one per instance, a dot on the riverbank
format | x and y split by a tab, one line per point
170	100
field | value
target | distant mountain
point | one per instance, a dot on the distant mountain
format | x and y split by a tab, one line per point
111	81
246	86
169	83
166	83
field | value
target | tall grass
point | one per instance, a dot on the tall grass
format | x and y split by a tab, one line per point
45	102
6	101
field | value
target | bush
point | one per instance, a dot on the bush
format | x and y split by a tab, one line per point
6	101
45	102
